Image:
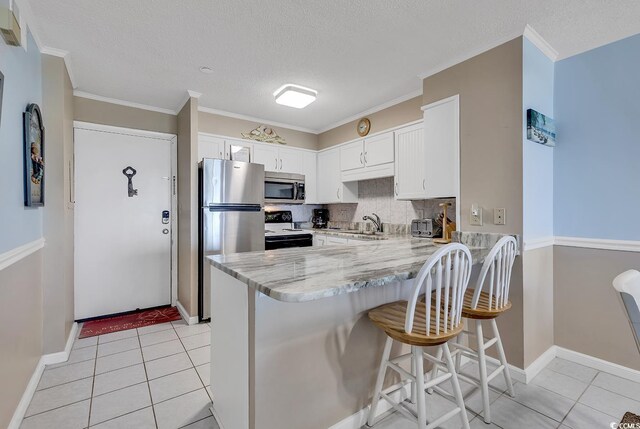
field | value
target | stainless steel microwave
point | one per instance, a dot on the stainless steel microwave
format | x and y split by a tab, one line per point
283	188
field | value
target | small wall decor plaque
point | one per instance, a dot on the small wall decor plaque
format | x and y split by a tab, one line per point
1	87
265	134
33	157
540	128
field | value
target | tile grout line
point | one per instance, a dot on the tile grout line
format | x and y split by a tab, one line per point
93	383
146	376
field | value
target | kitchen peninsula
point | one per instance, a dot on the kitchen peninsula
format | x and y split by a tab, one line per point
291	345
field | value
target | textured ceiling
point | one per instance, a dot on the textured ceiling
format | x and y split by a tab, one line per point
356	53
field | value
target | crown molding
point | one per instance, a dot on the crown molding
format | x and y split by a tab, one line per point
539	42
194	94
372	110
255	119
90	96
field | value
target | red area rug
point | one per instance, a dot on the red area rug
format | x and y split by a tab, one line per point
129	321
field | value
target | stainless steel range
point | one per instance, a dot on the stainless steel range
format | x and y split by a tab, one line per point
279	232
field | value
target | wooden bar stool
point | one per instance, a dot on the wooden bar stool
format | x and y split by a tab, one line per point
487	301
422	323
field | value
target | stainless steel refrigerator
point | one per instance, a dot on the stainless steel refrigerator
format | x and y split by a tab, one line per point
231	216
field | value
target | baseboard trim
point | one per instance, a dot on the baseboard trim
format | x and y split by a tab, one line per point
599	364
189	320
14	255
30	390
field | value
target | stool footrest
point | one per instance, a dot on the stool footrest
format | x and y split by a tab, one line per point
443	418
401	371
497	371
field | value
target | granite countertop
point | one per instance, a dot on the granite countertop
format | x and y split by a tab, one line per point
310	273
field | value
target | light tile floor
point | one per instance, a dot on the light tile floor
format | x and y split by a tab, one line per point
564	395
155	377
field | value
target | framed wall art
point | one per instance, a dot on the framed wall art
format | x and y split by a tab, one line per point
540	128
33	157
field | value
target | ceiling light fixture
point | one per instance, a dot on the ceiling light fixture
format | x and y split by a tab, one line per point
295	96
206	70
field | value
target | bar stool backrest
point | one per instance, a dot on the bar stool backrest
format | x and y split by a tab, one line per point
495	276
447	273
628	285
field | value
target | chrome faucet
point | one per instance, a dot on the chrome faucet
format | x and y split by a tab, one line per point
376	222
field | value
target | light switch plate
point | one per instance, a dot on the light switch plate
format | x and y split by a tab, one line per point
475	216
499	216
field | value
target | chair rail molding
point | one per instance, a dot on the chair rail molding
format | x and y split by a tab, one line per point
583	242
12	256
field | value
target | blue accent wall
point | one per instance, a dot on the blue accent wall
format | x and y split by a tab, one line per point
597	158
537	160
22	85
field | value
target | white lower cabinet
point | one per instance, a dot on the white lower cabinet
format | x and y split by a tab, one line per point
320	239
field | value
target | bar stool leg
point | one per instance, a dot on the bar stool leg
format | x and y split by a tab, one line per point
456	386
419	374
434	370
482	364
379	381
413	383
503	359
458	340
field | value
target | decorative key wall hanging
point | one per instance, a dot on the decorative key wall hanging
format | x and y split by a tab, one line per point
130	172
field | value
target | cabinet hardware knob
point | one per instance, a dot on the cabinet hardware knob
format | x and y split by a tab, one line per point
365	157
423	184
396	188
361	162
276	163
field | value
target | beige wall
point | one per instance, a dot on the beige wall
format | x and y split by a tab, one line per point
58	300
232	127
490	89
100	112
20	330
399	114
537	268
188	206
588	313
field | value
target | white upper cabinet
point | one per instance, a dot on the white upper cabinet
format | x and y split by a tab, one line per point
310	166
267	155
410	177
278	159
210	147
352	156
442	143
428	154
370	158
239	150
378	150
330	187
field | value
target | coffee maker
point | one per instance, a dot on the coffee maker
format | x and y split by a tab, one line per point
320	218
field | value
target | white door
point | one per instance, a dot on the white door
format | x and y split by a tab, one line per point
122	246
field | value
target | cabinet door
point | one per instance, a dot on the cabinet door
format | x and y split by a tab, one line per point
210	147
310	173
328	176
410	163
442	144
351	156
319	240
379	149
267	156
290	160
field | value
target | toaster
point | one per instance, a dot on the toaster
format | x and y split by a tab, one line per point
422	228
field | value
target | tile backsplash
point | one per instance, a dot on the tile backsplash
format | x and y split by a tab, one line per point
376	196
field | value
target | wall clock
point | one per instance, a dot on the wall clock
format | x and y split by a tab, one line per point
33	157
363	127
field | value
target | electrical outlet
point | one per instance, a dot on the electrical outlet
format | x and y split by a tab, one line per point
499	216
476	215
